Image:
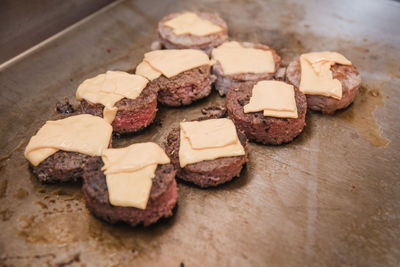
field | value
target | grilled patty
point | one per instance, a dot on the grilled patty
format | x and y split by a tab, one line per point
170	40
260	128
206	173
348	77
226	82
162	200
133	114
184	88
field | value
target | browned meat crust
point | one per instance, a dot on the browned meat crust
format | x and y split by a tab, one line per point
184	88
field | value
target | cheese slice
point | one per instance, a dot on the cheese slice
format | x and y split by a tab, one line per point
316	74
171	62
129	172
209	133
237	59
133	157
211	150
191	23
274	98
145	70
131	189
84	133
110	87
281	114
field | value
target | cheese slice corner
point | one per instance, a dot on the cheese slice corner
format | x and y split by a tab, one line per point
145	70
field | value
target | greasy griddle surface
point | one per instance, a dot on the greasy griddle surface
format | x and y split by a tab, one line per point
330	197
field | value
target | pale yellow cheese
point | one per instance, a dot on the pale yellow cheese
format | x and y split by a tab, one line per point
133	157
237	59
190	155
109	114
171	62
84	133
145	70
274	98
110	87
281	114
210	133
131	189
129	172
315	57
316	74
191	23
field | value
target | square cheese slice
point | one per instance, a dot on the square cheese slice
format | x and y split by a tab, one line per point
131	189
191	23
129	172
274	98
110	87
236	59
316	75
171	62
211	149
133	157
86	134
210	133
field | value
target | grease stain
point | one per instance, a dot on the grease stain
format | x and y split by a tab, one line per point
360	115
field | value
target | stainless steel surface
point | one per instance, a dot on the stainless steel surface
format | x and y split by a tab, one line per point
26	23
331	197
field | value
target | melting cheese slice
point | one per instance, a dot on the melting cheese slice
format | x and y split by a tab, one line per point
129	172
191	23
131	189
218	133
171	62
274	98
110	87
145	70
84	133
235	58
316	74
206	136
133	157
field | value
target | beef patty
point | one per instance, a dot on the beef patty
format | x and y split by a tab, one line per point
62	166
133	114
206	173
163	196
348	77
170	40
260	128
184	88
225	82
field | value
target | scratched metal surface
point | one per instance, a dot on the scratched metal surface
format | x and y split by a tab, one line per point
331	197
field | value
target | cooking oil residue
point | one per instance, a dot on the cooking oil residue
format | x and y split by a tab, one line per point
61	228
21	194
360	115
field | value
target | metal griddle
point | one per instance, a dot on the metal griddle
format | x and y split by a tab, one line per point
331	197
